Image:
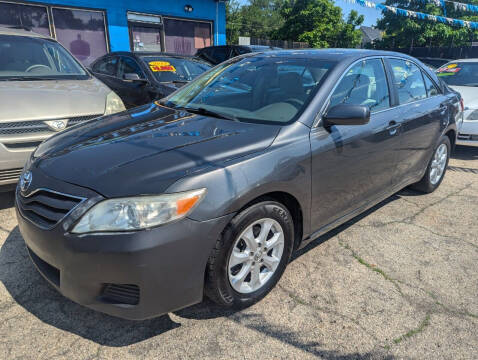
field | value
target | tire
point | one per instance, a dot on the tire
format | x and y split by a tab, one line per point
429	183
221	272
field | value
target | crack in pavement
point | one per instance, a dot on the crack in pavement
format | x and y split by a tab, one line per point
297	299
410	219
421	327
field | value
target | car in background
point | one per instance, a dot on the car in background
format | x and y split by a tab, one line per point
462	76
43	90
210	190
433	63
140	78
217	54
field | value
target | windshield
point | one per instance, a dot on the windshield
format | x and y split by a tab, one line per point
167	69
459	73
263	88
27	58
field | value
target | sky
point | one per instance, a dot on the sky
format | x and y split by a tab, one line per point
371	15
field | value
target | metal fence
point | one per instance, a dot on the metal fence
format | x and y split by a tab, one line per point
451	53
285	44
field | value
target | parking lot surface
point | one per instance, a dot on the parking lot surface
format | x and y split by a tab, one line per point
400	281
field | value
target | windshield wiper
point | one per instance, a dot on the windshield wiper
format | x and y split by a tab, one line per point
27	78
206	112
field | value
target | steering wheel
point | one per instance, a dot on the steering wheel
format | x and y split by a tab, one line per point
36	66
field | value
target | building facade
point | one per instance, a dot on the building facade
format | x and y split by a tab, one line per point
91	28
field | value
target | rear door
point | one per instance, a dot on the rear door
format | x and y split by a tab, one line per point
422	109
354	164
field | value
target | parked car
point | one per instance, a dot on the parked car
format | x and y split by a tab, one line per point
43	90
211	189
433	63
140	78
217	54
462	76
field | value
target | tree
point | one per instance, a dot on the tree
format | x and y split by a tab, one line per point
405	32
319	23
233	21
258	18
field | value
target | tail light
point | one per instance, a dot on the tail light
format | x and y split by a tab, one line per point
462	105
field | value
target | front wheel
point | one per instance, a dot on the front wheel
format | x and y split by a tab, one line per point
251	255
436	167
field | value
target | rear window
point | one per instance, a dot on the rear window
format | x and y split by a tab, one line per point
25	58
459	73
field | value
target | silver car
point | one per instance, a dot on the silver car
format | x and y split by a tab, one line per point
43	90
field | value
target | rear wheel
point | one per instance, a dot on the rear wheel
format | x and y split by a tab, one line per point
436	167
251	255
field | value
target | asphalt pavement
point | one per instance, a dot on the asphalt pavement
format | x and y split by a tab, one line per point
398	282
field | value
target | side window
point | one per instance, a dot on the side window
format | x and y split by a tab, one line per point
130	66
241	50
221	54
430	86
107	66
364	84
408	80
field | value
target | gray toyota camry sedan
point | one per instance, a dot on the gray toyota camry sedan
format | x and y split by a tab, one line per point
211	190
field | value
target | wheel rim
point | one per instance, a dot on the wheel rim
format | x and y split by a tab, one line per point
438	164
256	255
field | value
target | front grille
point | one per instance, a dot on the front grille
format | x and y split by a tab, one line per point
120	294
10	175
38	126
47	270
45	208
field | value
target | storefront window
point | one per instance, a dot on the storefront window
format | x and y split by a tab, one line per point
82	32
185	37
146	38
26	16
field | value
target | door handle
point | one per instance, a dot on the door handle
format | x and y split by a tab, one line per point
393	127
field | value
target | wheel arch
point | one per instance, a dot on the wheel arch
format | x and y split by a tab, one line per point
291	203
451	134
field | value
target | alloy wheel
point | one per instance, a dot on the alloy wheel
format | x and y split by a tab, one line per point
438	164
255	256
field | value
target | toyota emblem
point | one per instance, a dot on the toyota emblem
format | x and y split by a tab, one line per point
57	125
26	180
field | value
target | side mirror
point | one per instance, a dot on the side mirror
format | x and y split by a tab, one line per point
133	77
345	114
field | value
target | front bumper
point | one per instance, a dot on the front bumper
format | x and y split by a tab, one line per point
468	133
12	162
166	264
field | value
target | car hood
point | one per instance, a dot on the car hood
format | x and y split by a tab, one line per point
51	99
469	95
145	150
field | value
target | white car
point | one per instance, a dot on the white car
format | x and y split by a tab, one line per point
462	76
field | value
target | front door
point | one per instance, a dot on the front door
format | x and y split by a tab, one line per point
133	93
354	164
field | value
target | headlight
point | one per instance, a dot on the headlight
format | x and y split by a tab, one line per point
114	104
473	115
136	213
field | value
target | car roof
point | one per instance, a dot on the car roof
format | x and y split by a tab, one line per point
21	32
332	54
147	53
